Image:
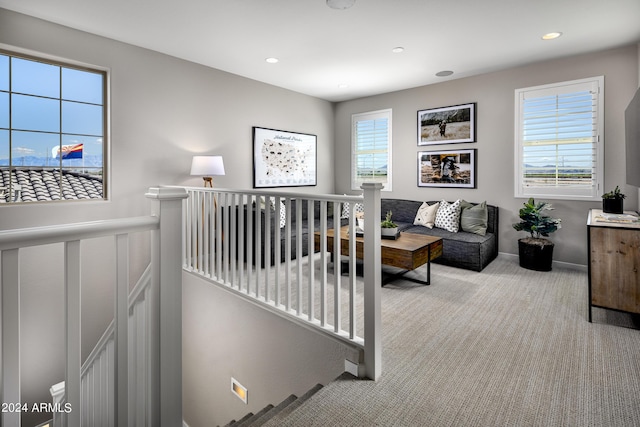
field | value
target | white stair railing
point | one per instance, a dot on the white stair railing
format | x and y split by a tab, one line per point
234	239
164	406
97	371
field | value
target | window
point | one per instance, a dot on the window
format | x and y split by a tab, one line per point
559	149
52	130
371	149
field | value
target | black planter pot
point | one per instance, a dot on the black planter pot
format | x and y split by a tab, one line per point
535	254
615	206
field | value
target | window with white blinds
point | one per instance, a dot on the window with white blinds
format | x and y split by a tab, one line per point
371	148
559	147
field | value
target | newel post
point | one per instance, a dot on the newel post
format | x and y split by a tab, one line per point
166	258
372	282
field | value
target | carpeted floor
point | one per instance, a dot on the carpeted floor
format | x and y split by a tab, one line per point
504	347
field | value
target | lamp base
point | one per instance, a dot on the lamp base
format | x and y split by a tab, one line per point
208	180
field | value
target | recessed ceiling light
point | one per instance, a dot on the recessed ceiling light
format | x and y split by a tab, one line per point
272	60
343	85
398	49
551	36
340	4
444	73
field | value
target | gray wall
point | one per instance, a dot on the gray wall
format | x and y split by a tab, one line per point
494	95
163	110
270	356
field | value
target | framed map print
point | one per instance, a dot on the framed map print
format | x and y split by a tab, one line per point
283	159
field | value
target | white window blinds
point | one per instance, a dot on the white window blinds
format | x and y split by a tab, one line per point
559	149
371	149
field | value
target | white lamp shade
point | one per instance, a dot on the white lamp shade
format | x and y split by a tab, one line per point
207	165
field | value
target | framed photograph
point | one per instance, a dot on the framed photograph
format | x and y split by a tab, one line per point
283	159
450	168
447	125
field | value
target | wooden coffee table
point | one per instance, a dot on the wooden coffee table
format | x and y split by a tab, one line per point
408	252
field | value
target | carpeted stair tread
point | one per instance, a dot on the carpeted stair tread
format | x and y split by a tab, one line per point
253	419
275	410
234	423
287	410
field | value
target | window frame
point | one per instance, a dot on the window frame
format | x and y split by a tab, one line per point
365	116
597	153
63	63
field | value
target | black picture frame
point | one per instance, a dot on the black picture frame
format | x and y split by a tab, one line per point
283	158
447	125
447	168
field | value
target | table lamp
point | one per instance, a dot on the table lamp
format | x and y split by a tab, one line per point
207	167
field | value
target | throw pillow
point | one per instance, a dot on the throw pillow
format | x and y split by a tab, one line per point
346	208
448	216
426	215
465	205
283	214
474	219
272	204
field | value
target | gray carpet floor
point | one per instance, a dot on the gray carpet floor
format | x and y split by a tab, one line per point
503	347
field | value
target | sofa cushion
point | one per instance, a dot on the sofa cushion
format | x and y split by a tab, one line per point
448	216
473	218
426	215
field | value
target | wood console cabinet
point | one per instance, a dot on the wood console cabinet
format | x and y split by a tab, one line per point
614	264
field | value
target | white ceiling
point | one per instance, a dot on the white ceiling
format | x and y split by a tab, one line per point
321	48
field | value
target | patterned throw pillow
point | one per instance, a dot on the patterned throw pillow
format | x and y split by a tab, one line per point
346	208
426	215
272	204
448	216
283	214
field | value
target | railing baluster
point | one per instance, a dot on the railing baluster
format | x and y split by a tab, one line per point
10	292
277	252
241	239
186	226
249	241
72	329
224	239
287	256
310	249
337	270
122	329
232	212
258	246
352	272
206	233
194	231
299	206
268	207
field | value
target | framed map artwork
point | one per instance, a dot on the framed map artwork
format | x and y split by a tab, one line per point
283	159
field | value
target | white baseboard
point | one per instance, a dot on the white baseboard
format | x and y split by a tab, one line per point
351	367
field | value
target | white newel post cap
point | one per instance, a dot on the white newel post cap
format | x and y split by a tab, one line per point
166	193
372	186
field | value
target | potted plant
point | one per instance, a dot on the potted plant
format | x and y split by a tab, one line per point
613	201
536	252
388	227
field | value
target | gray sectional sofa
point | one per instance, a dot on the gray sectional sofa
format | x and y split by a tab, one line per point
294	230
462	249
